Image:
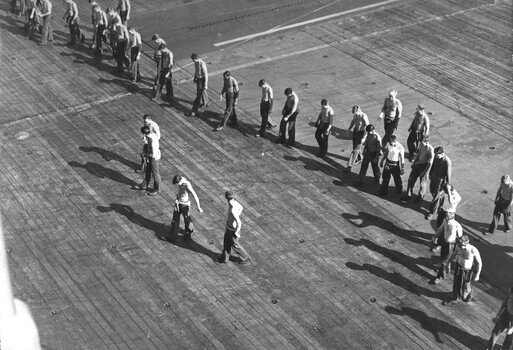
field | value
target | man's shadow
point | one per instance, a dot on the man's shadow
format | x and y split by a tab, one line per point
397	279
103	172
396	256
439	328
367	220
109	155
161	230
125	83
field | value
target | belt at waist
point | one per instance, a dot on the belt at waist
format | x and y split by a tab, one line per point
392	163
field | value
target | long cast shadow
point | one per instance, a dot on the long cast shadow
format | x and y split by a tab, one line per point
109	155
398	280
103	172
396	256
161	230
367	219
438	327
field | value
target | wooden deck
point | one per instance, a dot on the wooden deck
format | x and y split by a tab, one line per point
333	266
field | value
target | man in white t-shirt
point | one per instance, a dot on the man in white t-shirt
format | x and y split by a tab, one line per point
393	159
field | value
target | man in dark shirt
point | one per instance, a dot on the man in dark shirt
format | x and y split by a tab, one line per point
439	176
371	153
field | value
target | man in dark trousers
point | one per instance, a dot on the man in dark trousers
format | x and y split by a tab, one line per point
418	129
153	158
230	91
182	207
324	123
288	121
232	234
391	111
165	75
266	107
371	152
503	201
439	176
503	322
393	159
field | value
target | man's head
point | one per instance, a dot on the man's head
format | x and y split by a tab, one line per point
424	139
146	119
131	30
450	215
155	37
392	94
421	108
162	46
324	102
227	74
288	91
356	109
195	57
176	179
229	195
370	129
145	130
393	140
505	179
448	188
462	241
439	152
261	82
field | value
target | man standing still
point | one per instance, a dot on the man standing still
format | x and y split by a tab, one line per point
439	176
121	46
445	237
418	129
71	17
157	56
232	234
391	111
420	169
153	157
288	121
503	201
182	207
371	152
135	47
323	124
266	107
46	15
359	123
99	23
231	93
468	255
393	154
154	128
201	80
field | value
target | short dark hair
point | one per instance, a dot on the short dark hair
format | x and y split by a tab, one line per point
424	137
194	56
288	91
227	74
147	116
356	108
439	150
324	102
176	179
145	130
369	127
162	46
228	195
155	37
261	82
393	137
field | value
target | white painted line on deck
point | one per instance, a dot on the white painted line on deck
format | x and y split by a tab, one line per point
277	29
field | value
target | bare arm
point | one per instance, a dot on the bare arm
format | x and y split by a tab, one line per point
196	199
449	170
479	263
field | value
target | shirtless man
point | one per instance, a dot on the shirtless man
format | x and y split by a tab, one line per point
232	234
419	127
391	111
182	207
464	274
420	168
503	201
503	322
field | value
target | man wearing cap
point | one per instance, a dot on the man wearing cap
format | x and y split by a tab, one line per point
201	80
503	322
182	207
371	152
232	234
445	237
266	107
503	201
468	261
230	91
359	123
324	123
419	127
393	154
419	169
391	111
288	121
439	175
